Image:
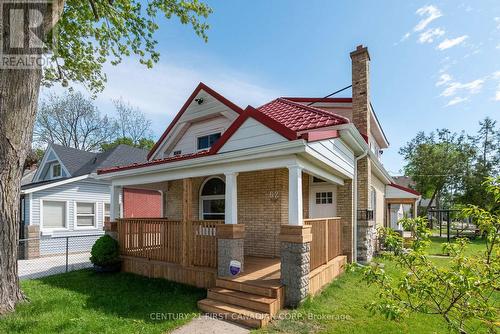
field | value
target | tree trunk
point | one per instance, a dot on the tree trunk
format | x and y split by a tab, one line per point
18	103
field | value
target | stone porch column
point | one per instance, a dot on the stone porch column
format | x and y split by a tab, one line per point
230	247
295	262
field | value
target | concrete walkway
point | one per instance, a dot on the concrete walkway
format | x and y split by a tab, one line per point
208	325
51	265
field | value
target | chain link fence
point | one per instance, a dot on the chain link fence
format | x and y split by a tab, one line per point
40	257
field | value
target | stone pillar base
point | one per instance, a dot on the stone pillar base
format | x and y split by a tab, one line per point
230	247
295	262
367	239
31	247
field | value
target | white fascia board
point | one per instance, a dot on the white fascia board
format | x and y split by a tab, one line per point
274	150
252	164
379	169
314	170
319	158
54	184
352	137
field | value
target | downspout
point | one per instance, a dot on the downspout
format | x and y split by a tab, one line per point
355	184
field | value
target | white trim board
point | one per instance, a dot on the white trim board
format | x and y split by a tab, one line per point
54	184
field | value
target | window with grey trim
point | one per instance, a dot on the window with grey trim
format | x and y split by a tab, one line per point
324	197
56	170
205	142
85	214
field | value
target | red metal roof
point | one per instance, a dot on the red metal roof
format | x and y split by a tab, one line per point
320	99
298	117
408	190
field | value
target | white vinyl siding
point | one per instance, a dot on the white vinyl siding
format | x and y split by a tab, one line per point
337	154
78	191
54	215
252	134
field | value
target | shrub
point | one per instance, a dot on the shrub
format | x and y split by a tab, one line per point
105	252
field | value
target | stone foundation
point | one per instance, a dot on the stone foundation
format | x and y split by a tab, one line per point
367	239
295	271
295	262
230	246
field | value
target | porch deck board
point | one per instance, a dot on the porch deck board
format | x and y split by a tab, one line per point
260	271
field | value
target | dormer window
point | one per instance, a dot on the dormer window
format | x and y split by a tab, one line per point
56	170
205	142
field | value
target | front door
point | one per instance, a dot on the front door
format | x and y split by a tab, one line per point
322	200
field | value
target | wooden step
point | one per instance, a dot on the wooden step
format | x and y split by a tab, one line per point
249	288
248	300
234	313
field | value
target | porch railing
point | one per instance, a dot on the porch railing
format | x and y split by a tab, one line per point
190	243
326	241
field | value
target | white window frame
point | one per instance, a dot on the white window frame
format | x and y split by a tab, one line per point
52	165
104	211
204	134
76	227
210	197
66	219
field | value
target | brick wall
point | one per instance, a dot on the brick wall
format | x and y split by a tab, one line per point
141	203
345	212
262	207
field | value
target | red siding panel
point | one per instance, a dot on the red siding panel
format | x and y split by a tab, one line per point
141	203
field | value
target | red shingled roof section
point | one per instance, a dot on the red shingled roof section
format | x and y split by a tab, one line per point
298	117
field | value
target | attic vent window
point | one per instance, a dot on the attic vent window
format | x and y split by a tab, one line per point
56	170
205	142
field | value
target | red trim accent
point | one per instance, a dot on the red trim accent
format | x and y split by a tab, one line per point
320	135
153	162
364	136
408	190
210	91
320	99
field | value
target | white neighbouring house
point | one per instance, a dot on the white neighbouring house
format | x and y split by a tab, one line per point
63	197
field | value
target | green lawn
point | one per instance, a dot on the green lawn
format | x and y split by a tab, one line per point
342	308
475	245
86	302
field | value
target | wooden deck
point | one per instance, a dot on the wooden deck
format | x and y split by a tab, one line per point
258	271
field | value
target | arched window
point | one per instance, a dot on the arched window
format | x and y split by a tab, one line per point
212	199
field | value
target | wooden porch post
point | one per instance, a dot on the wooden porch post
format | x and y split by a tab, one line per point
187	200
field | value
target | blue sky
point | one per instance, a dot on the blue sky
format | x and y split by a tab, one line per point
434	64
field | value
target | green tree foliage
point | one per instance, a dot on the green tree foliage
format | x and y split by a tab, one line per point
91	33
462	293
144	143
436	162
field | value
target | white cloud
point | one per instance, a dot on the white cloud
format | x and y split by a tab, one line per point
449	43
472	87
456	100
443	79
497	21
429	35
497	95
430	13
405	37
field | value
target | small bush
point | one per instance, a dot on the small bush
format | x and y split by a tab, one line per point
105	252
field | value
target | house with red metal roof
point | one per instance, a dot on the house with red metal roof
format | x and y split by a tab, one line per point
262	205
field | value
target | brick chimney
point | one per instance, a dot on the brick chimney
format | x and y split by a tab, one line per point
361	89
366	235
